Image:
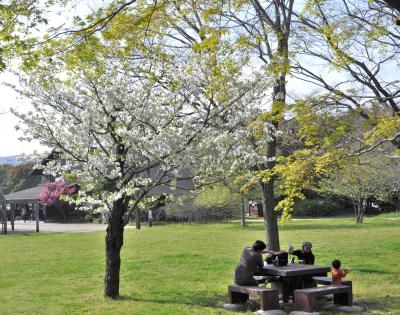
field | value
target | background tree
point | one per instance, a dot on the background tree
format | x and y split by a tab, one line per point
264	29
371	177
345	50
52	194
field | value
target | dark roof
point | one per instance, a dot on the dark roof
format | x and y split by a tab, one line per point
52	156
30	195
1	195
182	186
183	182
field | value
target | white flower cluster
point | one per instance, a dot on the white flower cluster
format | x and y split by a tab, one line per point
120	135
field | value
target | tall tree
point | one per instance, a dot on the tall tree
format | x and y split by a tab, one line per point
265	27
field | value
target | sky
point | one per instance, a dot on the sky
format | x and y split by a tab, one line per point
9	143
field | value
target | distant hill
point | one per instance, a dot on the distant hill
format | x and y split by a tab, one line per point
12	160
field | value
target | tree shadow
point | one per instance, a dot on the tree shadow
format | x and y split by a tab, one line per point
202	299
21	233
300	227
384	305
377	271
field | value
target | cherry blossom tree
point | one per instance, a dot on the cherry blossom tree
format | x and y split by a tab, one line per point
52	194
124	123
52	191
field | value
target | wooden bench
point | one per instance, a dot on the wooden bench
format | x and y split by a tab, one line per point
328	281
305	298
269	299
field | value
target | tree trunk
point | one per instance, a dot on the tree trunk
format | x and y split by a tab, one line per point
45	212
279	23
114	242
243	212
61	210
270	216
267	189
362	216
12	217
137	218
36	210
4	212
361	211
150	218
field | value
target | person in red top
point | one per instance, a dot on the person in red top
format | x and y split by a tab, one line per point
337	273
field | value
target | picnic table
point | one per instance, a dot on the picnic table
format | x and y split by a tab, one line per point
291	275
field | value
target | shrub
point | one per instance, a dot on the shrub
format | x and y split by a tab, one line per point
211	204
189	212
88	218
316	208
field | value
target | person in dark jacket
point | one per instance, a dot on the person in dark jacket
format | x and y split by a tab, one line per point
250	264
305	255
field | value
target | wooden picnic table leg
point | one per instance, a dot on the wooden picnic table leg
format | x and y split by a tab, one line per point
269	300
236	297
343	298
282	286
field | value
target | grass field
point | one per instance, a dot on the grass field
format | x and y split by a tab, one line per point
185	269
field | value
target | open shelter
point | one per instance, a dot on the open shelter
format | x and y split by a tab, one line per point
23	197
3	213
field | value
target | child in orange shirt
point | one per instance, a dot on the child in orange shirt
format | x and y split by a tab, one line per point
337	273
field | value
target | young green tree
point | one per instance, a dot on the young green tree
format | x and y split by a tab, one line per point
264	29
362	179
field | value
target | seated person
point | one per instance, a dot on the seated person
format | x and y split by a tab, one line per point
337	273
305	254
250	264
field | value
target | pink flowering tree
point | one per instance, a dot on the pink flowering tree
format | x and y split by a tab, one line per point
51	193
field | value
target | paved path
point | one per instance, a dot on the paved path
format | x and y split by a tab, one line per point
30	226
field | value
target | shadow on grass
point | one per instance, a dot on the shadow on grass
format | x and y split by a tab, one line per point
21	233
377	271
385	305
203	299
298	227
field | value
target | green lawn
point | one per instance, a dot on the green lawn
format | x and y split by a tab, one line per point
185	269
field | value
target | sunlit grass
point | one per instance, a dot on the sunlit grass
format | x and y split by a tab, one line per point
185	269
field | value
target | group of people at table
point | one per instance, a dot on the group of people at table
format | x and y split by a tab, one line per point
251	264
